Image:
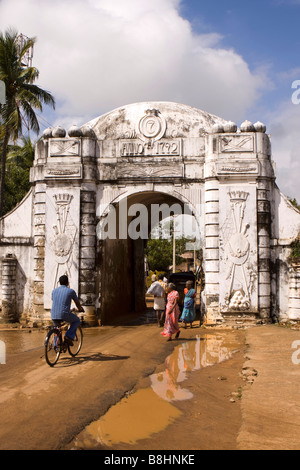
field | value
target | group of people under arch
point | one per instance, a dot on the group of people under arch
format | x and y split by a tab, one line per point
166	304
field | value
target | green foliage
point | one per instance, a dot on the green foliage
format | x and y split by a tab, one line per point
19	161
295	203
16	186
149	277
159	249
21	155
23	97
295	254
295	246
159	253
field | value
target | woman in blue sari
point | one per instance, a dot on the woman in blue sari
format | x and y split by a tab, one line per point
189	312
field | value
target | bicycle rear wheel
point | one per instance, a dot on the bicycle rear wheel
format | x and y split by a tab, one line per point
77	343
52	347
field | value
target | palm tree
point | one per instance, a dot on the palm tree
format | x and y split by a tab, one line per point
21	155
19	160
22	96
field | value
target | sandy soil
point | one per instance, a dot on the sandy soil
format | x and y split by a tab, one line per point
249	401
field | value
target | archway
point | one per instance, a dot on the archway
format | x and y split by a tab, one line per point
123	232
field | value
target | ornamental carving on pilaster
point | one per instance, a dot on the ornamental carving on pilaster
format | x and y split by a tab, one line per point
64	233
235	253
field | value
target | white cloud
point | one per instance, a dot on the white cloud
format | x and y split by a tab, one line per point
285	134
96	55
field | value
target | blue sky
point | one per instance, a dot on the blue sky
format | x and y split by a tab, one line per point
235	59
265	33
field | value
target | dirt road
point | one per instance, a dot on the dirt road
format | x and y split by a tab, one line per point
271	405
50	408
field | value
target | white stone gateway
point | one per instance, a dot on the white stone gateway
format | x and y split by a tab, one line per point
126	163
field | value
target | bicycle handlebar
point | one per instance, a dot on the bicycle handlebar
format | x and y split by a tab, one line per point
75	310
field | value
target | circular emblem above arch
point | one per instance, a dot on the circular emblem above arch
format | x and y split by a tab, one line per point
152	126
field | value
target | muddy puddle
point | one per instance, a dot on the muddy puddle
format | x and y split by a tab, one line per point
17	341
22	340
150	410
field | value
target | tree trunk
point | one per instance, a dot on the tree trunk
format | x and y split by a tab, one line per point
3	169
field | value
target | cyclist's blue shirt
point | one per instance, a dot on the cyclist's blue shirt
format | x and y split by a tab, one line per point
62	297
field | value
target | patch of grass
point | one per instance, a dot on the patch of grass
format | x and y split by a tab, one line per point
295	253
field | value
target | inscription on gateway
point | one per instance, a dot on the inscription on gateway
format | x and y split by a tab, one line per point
66	172
148	140
136	148
133	171
232	168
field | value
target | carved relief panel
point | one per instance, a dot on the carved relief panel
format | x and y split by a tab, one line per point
64	148
237	143
62	239
238	249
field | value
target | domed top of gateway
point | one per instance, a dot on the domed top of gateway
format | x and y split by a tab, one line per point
154	119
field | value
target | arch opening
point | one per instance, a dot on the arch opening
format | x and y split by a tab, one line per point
123	232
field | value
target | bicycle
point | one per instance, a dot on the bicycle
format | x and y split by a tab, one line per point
55	345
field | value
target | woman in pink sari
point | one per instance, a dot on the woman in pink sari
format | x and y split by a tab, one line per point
172	314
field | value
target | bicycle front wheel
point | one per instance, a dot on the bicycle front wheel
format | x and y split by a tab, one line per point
77	343
52	347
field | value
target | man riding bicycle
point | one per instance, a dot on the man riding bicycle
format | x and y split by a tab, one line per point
62	297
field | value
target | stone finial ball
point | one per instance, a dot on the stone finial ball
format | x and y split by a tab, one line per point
47	134
230	126
217	129
75	131
58	132
260	127
88	132
247	126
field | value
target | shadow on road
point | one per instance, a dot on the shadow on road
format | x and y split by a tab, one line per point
97	357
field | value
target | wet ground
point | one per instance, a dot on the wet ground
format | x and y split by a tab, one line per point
151	410
129	389
22	340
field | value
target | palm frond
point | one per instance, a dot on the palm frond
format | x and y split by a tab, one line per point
22	155
30	117
42	95
22	95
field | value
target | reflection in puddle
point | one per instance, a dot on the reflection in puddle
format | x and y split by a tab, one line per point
148	411
205	351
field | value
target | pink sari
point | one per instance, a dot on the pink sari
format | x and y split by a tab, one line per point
171	323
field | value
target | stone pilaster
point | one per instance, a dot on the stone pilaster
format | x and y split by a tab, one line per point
212	238
211	251
9	267
264	235
39	221
87	266
87	276
264	250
